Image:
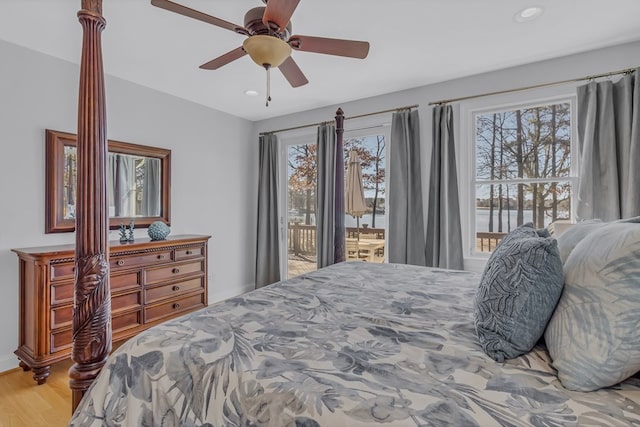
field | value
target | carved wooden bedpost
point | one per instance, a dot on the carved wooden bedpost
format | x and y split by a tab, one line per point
339	202
92	296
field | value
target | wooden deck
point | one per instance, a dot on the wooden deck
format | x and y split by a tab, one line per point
299	265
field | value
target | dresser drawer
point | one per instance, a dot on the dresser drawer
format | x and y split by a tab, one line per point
187	253
172	290
123	281
126	301
63	316
61	293
173	308
62	271
175	271
127	261
61	340
120	324
123	322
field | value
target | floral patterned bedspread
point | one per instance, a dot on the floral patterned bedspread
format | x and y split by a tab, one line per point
354	344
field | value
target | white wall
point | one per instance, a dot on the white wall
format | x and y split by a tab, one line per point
214	170
564	68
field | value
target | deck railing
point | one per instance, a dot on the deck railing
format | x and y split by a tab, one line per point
302	238
487	242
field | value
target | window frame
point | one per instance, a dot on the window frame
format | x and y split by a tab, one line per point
466	146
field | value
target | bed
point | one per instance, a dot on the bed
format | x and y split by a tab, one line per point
353	344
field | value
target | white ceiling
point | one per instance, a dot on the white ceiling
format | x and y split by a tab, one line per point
413	43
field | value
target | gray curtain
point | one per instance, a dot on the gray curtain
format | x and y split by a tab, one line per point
151	189
268	243
406	221
111	183
325	194
444	234
121	177
609	149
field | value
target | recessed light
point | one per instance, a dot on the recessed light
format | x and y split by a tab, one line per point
528	14
251	92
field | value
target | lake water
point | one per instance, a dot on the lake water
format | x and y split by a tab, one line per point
350	221
482	220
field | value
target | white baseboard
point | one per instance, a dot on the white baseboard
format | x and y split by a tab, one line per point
8	362
229	293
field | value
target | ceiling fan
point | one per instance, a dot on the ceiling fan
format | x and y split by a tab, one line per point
269	42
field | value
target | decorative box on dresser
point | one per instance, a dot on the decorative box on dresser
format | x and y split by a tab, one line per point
151	281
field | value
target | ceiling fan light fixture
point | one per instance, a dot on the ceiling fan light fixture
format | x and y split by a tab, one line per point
267	51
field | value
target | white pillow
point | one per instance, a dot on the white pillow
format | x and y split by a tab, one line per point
593	336
572	236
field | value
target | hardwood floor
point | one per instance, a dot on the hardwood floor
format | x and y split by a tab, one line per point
23	403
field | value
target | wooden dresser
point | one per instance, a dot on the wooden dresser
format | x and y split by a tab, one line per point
151	281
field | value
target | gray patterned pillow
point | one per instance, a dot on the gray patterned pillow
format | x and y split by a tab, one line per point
594	334
518	292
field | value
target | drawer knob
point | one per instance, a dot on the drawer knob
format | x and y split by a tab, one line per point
120	262
160	256
176	305
189	252
176	270
176	288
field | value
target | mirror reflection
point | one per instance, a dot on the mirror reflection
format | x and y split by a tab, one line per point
133	185
138	183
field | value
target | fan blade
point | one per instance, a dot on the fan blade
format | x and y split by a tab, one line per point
214	64
192	13
279	12
293	73
349	48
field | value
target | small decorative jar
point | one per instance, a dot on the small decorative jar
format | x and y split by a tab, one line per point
158	230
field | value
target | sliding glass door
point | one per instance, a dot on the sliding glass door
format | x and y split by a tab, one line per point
366	236
300	208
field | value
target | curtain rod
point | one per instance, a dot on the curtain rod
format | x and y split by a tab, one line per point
500	92
408	107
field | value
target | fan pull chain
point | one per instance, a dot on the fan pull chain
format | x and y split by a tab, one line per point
268	85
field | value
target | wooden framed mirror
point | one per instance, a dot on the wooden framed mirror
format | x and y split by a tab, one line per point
138	183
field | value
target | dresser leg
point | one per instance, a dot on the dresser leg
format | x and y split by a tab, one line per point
24	366
40	374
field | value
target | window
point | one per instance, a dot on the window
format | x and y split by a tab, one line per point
523	169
